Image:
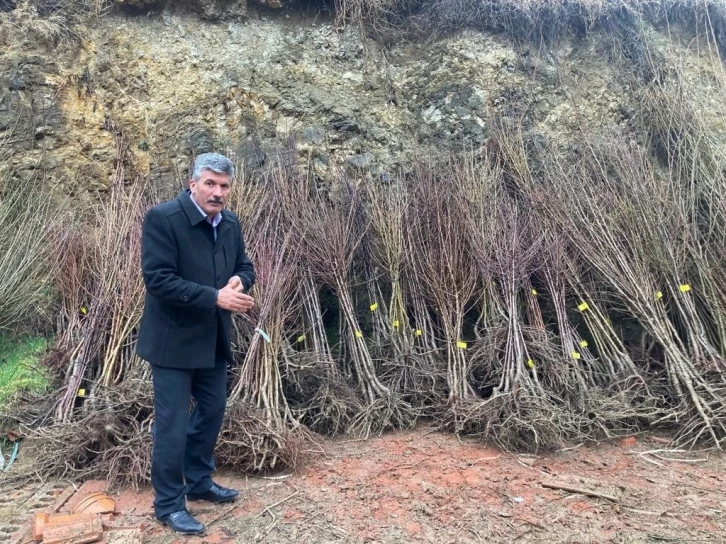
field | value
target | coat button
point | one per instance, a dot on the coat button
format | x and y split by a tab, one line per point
185	297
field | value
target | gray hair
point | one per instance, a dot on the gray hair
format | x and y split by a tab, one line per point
219	164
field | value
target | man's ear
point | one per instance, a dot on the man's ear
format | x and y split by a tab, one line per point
192	185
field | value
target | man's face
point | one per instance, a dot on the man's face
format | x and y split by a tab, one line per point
211	191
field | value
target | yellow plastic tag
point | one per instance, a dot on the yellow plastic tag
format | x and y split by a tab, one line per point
461	345
575	355
583	344
534	292
530	363
583	306
81	392
374	307
659	295
84	310
419	332
358	334
396	323
300	338
685	288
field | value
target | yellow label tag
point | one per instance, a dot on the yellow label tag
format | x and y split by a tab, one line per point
461	345
419	332
534	292
301	338
685	288
583	306
583	344
530	363
396	323
575	355
358	334
84	310
81	392
374	307
659	295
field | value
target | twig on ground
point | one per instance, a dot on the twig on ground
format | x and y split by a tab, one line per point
267	509
581	490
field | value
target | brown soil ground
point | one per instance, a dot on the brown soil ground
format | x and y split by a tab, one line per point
423	486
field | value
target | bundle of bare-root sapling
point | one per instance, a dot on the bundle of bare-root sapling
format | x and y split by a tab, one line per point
330	232
318	393
259	433
109	296
442	264
409	367
519	365
619	235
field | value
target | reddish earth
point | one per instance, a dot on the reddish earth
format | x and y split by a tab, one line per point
422	486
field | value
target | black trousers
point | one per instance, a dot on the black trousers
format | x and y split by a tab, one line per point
183	454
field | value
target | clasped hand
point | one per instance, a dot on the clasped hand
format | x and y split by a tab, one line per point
231	297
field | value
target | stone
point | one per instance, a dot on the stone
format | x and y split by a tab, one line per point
42	131
17	83
345	125
320	167
251	154
284	126
200	141
362	161
314	135
432	115
351	76
463	113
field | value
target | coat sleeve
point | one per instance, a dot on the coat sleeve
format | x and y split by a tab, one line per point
243	267
159	254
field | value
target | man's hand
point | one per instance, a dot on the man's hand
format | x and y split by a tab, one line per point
232	299
236	283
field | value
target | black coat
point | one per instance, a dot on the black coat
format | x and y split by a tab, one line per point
183	268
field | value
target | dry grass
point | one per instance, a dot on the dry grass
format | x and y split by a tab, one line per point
30	226
535	21
53	22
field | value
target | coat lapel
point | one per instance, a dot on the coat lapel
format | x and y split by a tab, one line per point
189	208
224	228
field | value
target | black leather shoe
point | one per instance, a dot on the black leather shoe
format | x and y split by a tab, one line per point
216	493
182	522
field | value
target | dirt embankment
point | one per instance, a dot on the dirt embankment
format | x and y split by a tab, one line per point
177	84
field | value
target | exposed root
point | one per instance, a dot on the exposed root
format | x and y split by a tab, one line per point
250	443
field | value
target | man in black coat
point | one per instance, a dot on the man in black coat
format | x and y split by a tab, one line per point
196	273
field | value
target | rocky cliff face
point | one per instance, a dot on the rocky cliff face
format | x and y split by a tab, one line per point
260	84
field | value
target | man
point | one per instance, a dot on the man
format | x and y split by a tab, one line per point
196	274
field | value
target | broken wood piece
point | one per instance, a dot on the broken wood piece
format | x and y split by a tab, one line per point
584	486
